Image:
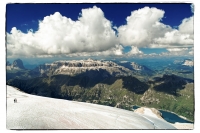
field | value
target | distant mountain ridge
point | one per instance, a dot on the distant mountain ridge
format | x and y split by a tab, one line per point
75	67
109	83
136	67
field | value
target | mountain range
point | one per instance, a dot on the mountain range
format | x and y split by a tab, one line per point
119	84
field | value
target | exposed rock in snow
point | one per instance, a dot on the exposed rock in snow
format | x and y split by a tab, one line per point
149	111
35	112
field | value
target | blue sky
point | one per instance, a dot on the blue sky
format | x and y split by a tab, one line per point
26	16
168	30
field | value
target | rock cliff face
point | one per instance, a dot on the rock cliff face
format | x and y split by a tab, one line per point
75	67
17	64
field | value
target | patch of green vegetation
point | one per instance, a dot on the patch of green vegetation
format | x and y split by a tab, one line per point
120	92
21	74
182	104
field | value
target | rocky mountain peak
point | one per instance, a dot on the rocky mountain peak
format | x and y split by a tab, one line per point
18	64
74	67
136	67
132	65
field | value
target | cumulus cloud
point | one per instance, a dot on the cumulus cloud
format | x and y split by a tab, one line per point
115	51
182	37
192	8
142	27
177	49
93	35
58	34
134	51
187	26
174	38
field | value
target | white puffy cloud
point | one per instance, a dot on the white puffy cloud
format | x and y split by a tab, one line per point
174	38
192	8
177	49
115	51
187	26
93	35
182	37
118	50
134	51
21	44
142	27
57	34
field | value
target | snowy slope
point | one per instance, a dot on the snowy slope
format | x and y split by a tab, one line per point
35	112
